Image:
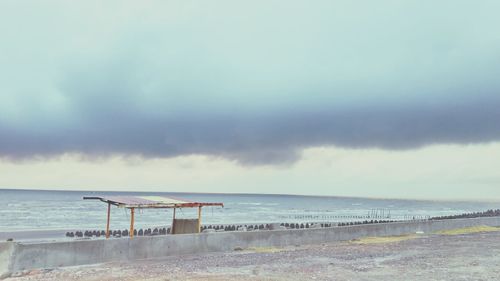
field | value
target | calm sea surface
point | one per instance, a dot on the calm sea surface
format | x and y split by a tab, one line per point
40	210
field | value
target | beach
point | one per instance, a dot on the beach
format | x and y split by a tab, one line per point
471	254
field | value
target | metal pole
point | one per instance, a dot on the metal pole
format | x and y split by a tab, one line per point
132	222
107	224
199	219
173	222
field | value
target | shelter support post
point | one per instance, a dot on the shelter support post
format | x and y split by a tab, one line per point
173	223
199	219
132	211
107	223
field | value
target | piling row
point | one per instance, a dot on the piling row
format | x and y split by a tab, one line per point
214	228
488	213
118	233
262	227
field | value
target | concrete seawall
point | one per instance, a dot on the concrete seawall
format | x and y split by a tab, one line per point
17	256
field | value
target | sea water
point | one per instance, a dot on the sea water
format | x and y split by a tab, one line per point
46	210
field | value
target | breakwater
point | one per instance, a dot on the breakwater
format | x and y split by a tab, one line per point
273	226
117	233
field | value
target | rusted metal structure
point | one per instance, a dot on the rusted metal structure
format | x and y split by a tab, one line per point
149	202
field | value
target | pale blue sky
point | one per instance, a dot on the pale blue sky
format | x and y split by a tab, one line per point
253	83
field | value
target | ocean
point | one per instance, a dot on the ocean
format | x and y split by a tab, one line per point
23	210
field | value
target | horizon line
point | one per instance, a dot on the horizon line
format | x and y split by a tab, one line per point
266	194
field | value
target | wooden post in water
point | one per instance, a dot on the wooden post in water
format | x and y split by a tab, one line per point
107	224
132	222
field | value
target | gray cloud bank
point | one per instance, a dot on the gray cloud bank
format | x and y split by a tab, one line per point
272	138
247	83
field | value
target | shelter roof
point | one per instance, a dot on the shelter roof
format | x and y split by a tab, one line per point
145	202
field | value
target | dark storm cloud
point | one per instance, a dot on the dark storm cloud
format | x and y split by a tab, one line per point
272	138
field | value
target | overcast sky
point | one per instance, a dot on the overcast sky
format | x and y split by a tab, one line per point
362	98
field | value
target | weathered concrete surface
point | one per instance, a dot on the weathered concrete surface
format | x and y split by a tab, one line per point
58	254
6	250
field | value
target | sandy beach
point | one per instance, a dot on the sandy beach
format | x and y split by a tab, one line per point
451	255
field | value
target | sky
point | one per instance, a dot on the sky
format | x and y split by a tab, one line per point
350	98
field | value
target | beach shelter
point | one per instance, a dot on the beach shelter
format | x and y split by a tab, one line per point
155	202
